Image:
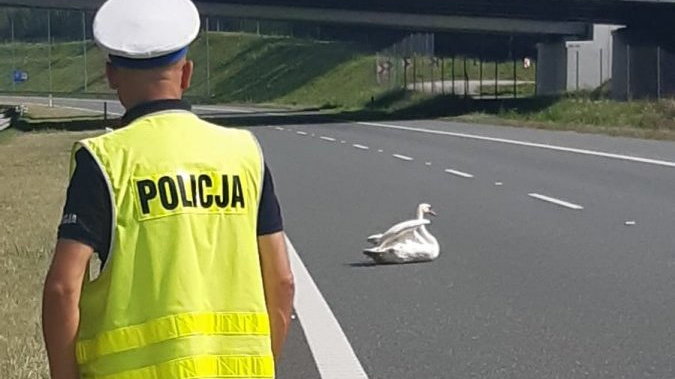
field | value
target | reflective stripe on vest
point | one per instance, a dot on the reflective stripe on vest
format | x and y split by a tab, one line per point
209	366
170	327
181	293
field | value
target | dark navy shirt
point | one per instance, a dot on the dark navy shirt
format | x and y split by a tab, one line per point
87	214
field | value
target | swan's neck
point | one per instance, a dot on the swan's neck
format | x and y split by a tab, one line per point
425	233
420	214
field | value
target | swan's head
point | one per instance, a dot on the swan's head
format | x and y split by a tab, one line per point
425	209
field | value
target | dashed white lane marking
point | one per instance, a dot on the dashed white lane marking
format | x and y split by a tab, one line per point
380	151
361	147
524	143
459	173
330	347
403	157
279	128
428	163
302	133
329	139
553	200
630	223
499	184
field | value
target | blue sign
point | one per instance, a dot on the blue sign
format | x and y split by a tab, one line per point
20	76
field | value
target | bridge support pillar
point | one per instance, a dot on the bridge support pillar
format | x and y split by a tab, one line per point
551	68
572	66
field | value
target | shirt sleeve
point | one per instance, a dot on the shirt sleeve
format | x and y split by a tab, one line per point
269	213
87	212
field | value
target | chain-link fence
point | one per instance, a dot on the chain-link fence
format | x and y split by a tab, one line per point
642	71
52	51
414	64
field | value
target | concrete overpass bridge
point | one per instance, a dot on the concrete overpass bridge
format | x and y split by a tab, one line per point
555	22
544	17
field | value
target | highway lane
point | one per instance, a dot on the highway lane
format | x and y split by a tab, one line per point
524	288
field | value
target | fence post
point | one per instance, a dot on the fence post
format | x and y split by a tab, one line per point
414	65
405	74
84	49
431	71
11	21
496	79
577	70
658	72
467	86
443	75
480	76
49	44
208	60
453	73
602	68
628	89
535	66
515	77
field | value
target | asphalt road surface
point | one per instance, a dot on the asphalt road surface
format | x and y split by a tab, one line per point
557	250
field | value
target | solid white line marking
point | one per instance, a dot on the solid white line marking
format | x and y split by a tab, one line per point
362	147
302	133
528	144
553	200
94	111
279	128
459	173
222	109
329	139
403	157
330	347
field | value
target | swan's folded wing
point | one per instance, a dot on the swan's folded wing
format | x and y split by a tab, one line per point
375	239
403	227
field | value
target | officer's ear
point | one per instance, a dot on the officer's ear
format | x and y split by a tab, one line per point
112	74
186	77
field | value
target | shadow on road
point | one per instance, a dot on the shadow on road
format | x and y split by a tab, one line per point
439	106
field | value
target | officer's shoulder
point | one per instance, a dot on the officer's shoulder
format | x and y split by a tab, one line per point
228	130
107	136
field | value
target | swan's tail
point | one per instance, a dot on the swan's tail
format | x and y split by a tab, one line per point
371	253
375	239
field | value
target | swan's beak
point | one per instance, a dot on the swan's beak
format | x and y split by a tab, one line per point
431	212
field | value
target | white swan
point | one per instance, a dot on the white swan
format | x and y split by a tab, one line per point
406	242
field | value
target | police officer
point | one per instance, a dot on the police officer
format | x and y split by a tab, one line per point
195	280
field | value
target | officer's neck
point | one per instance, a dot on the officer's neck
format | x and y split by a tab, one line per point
132	99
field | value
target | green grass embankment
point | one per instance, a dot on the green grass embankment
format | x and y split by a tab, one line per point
246	68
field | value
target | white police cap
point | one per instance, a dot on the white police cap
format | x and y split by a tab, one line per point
146	33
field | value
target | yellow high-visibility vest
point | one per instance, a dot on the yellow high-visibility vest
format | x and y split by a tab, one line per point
181	294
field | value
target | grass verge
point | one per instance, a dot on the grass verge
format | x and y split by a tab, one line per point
44	113
33	180
640	119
